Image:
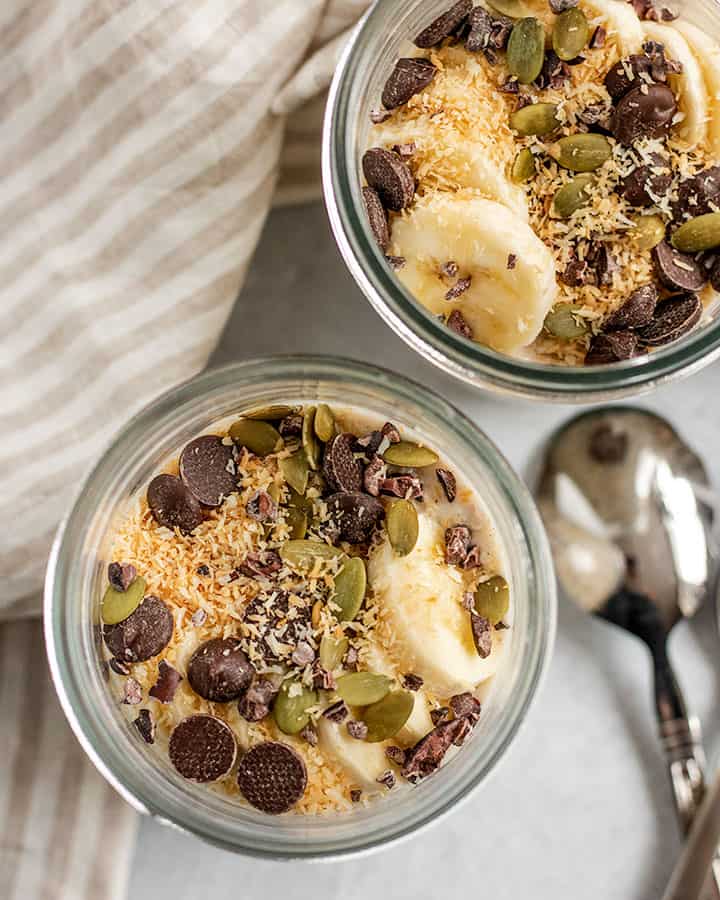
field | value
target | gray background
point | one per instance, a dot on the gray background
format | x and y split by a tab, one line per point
580	807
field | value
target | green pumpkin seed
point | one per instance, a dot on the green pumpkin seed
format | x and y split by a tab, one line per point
259	437
363	688
291	712
295	470
302	555
299	501
572	196
537	118
647	232
515	9
410	455
564	322
570	33
332	652
297	522
401	523
700	233
310	442
118	605
526	50
350	586
523	167
324	423
492	599
271	413
581	152
386	717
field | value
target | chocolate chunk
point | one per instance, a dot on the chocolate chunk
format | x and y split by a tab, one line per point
271	630
677	271
309	735
674	317
377	217
627	74
303	654
466	704
409	77
387	778
121	575
390	177
645	112
145	726
444	25
264	564
482	634
202	748
219	670
395	755
603	263
172	504
440	714
207	469
457	544
698	195
255	703
262	507
374	476
337	712
427	755
597	41
145	632
395	262
167	683
459	288
272	777
291	426
408	487
647	183
637	310
368	444
456	322
559	6
356	515
342	470
608	445
448	482
412	682
198	617
554	74
615	346
119	667
132	692
357	730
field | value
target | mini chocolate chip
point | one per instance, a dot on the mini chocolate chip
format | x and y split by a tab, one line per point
645	184
167	683
132	692
390	177
356	515
459	288
425	757
457	544
272	777
262	507
145	726
377	217
466	704
336	712
342	470
449	269
650	10
207	469
309	735
254	705
456	322
387	778
677	271
219	670
608	444
674	317
637	310
482	634
357	730
615	346
374	475
444	25
121	575
202	748
597	41
409	77
448	482
145	632
412	682
408	487
172	504
440	714
395	755
119	667
644	112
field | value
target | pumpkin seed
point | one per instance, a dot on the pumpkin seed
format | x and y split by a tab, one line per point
302	555
581	152
700	233
332	651
295	470
350	585
297	522
118	605
572	196
410	455
291	712
309	440
386	717
363	688
564	322
523	167
271	413
401	523
299	501
515	9
647	232
259	437
570	33
492	599
526	50
536	118
324	423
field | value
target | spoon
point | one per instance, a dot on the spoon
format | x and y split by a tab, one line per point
619	492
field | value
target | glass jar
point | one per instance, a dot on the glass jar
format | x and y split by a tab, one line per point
77	572
383	35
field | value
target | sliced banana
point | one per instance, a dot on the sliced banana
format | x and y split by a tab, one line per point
505	304
363	762
688	86
707	55
622	24
425	624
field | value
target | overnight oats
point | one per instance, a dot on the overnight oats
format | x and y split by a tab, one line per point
543	177
305	610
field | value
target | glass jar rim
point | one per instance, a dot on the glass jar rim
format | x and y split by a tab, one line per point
426	334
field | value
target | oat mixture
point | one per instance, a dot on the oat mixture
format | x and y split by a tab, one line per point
305	610
542	177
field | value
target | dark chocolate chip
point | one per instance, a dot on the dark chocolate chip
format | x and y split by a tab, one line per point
405	151
409	77
387	778
457	544
377	217
255	703
459	288
627	74
374	475
597	41
172	504
559	6
121	575
466	704
337	712
412	682
637	310
448	482
272	777
674	317
262	507
444	25
202	748
468	600
207	469
408	487
342	470
482	634
677	271
425	757
478	38
608	445
145	726
357	730
145	632
119	667
456	322
132	692
511	86
356	515
219	670
645	112
698	195
644	185
390	177
449	269
615	346
167	683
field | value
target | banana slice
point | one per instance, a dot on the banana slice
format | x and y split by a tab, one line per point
707	55
688	86
424	623
622	23
362	761
504	306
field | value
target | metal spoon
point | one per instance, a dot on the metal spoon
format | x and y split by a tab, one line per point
619	493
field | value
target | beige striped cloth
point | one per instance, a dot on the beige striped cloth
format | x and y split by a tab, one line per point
139	154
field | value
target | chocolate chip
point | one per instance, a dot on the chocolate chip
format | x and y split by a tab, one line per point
357	730
390	177
219	670
207	469
342	470
309	735
396	262
425	757
674	317
387	778
615	346
145	726
412	682
644	112
444	25
648	183
264	564
408	487
597	41
356	515
457	544
559	6
303	654
466	704
409	77
440	714
459	288
377	217
698	195
554	74
262	507
637	310
627	74
172	504
677	271
132	692
355	795
395	755
143	634
374	476
448	482
456	322
272	777
336	712
121	575
202	748
119	667
255	703
482	634
608	445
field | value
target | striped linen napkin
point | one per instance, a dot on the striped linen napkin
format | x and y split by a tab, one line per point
139	155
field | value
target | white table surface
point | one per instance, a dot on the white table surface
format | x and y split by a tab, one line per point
580	807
